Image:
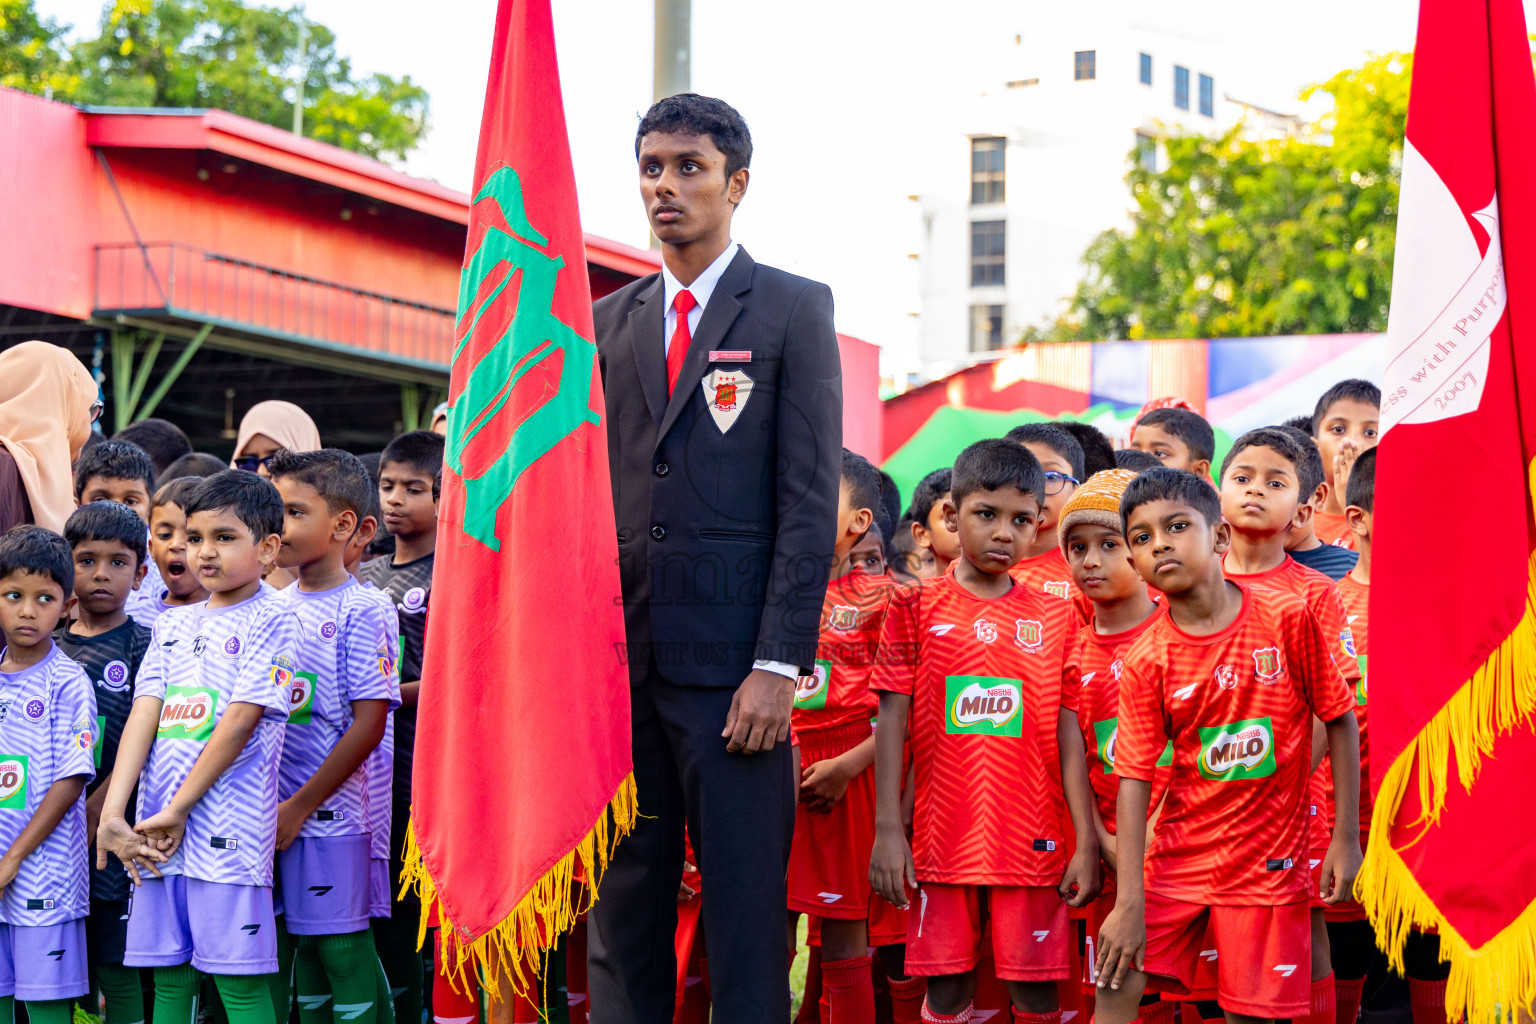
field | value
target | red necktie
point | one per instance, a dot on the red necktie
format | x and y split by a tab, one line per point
682	302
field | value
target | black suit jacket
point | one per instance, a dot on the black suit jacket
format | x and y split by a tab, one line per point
725	528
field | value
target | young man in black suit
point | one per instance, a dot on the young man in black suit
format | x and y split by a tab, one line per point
724	401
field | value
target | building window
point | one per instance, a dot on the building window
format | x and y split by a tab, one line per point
1207	96
1146	152
1085	65
987	252
986	328
1146	69
987	163
1181	87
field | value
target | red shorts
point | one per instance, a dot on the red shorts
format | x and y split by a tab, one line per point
829	860
1031	939
1344	910
1258	960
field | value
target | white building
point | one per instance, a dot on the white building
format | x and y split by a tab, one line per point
1031	174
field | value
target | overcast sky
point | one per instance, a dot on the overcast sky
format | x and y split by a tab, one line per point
840	96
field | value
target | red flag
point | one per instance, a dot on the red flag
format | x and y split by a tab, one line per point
1453	683
522	769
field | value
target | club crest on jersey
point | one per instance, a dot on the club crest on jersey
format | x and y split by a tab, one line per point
1266	664
1058	588
34	709
115	675
727	392
1347	642
986	631
414	600
1226	677
1028	634
199	645
13	782
328	630
985	705
843	617
1239	750
232	646
1116	667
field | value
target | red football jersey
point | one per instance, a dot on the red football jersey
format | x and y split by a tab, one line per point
838	692
986	677
1101	658
1238	706
1357	598
1332	528
1322	596
1048	573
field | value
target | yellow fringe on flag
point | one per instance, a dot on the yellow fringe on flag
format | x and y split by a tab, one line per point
1488	982
518	947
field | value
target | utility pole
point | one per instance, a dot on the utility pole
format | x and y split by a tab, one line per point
674	44
298	94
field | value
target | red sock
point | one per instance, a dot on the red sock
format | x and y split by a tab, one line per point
846	994
1160	1012
450	1006
907	999
1346	999
1427	1000
576	973
696	1001
1322	1003
810	1002
1020	1017
938	1018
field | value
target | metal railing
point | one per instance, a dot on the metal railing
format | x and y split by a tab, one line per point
169	278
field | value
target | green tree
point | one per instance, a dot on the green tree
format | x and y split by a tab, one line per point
32	56
1240	237
234	56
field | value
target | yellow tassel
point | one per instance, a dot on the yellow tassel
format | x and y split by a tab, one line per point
519	946
1486	982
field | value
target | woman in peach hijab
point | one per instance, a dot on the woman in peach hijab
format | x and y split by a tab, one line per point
269	427
48	401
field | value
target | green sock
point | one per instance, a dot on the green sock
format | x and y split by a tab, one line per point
395	938
7	1010
176	990
123	993
311	988
50	1011
386	1005
349	965
247	997
281	982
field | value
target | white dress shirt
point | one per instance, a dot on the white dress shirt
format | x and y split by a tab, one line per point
702	288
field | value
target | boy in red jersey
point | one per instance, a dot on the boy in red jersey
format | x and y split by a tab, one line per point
834	821
1232	675
926	515
981	671
1177	438
1264	499
1345	423
1101	567
1061	459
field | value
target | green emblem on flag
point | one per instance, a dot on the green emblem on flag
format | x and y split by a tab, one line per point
532	336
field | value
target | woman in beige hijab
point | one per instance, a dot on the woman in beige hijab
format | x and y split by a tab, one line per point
269	427
48	401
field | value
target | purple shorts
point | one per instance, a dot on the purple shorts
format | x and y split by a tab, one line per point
48	958
379	902
325	885
221	927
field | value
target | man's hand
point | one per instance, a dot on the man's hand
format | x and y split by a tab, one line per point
1122	943
163	832
1343	465
116	837
1340	865
686	892
759	716
290	818
823	784
891	871
1080	883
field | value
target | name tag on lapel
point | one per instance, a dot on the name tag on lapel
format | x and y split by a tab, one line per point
730	355
727	392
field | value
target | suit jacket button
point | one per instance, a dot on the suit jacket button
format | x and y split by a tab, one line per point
659	532
662	469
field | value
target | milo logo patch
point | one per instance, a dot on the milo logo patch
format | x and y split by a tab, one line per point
301	697
188	713
13	782
1360	690
1241	750
1104	734
101	736
984	705
811	690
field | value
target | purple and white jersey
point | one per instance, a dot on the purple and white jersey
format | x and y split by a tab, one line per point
200	661
347	652
144	605
47	733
